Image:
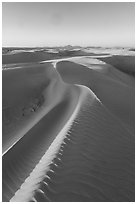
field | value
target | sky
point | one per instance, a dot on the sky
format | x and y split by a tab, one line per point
68	23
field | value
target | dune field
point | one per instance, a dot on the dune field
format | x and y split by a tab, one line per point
68	125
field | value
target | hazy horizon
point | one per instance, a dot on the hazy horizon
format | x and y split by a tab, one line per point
53	24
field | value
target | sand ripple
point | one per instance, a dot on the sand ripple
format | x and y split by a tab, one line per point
93	162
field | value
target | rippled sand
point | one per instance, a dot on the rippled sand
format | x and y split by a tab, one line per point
68	133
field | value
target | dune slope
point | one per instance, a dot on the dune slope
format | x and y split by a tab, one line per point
31	131
117	96
123	63
25	92
24	57
61	142
95	161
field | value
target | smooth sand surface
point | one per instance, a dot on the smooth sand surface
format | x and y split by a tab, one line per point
37	56
104	68
114	93
67	142
23	57
29	94
59	101
94	162
123	63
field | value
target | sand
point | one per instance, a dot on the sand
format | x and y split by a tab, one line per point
68	132
114	93
34	92
123	63
30	56
23	57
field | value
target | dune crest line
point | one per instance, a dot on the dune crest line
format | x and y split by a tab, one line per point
84	162
38	174
69	134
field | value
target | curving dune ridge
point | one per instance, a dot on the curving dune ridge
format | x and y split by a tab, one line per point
113	88
65	144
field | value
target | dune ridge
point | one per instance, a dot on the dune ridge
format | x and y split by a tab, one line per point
43	166
122	63
36	95
116	94
29	149
79	142
74	171
41	55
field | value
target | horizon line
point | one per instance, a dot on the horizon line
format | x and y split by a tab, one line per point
68	45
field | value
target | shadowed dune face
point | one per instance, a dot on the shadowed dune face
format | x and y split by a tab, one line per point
24	92
94	160
32	147
37	56
21	85
72	53
123	63
26	85
116	96
26	57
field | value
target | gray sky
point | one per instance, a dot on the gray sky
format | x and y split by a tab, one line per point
54	24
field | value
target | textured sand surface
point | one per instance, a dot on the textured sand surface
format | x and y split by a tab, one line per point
115	93
68	132
30	56
28	94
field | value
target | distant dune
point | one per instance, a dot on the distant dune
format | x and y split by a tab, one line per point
23	57
68	130
37	56
123	63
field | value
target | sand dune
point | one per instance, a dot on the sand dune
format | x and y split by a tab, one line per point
29	56
85	167
58	103
29	94
63	141
111	50
104	68
123	63
116	96
23	57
